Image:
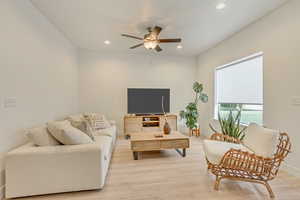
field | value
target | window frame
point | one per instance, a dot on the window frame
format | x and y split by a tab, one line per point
244	59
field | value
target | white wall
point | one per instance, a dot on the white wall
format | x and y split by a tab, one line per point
38	67
105	77
278	36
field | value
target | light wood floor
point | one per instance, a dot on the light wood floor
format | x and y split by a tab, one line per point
167	176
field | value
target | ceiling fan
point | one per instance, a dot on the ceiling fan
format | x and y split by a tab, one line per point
151	39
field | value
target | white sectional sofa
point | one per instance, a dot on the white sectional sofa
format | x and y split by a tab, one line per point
33	170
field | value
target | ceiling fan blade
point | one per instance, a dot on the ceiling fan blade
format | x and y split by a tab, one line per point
169	40
135	46
131	36
157	48
156	30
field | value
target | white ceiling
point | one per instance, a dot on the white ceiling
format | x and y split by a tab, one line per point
87	23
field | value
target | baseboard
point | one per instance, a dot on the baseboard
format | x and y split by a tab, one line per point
291	169
2	190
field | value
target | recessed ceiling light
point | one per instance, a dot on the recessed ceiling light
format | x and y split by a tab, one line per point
179	46
107	42
220	6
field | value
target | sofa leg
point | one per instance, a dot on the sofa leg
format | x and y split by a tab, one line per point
217	183
269	190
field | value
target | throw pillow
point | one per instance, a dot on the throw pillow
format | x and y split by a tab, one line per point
97	121
89	130
64	132
40	136
261	140
77	121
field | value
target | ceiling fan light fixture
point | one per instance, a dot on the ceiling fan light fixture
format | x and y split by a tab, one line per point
179	46
151	40
221	6
150	44
107	42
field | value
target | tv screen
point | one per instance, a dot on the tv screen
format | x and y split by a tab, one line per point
147	101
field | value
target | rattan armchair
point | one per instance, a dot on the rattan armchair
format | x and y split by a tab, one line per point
245	166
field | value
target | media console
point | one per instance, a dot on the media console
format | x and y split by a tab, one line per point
147	123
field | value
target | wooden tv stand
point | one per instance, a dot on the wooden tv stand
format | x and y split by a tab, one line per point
147	123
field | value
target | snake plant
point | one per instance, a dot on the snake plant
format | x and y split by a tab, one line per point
230	125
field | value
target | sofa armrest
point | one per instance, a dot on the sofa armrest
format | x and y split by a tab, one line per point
30	149
53	169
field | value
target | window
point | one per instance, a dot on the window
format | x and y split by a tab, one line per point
239	85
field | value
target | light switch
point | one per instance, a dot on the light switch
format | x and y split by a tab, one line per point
10	102
296	101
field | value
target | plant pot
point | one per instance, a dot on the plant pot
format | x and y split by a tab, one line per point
196	132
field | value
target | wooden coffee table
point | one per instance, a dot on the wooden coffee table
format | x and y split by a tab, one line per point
146	141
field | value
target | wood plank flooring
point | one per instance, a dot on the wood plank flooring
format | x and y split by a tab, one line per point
166	175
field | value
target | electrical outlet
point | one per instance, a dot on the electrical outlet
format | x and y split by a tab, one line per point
10	102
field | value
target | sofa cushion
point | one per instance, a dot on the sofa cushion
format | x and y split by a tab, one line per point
64	132
111	131
215	150
262	141
40	136
105	145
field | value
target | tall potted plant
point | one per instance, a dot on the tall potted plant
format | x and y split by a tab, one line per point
191	114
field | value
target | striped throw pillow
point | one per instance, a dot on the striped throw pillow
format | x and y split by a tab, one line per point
97	121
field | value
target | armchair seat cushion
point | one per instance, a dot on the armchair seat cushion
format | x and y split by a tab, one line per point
215	150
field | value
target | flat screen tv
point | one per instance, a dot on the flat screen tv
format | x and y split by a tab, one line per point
147	101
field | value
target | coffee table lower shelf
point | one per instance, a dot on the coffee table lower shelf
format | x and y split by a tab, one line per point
136	153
